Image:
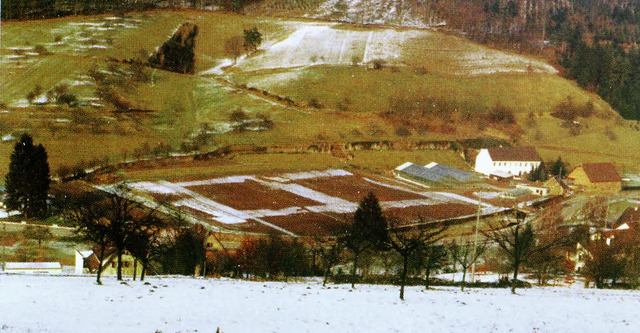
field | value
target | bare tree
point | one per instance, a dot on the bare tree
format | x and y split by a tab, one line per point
406	240
39	233
234	47
465	254
87	212
144	239
431	258
516	240
332	253
519	241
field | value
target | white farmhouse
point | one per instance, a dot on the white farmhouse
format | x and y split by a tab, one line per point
508	161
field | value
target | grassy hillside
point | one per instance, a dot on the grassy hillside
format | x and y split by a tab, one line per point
333	94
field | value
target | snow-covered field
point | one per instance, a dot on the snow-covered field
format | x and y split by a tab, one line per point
77	304
312	44
321	43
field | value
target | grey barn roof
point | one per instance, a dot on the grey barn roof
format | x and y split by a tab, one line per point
434	172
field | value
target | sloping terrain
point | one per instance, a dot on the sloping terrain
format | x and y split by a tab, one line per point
315	81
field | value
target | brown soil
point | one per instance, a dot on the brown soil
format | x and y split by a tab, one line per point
354	188
251	195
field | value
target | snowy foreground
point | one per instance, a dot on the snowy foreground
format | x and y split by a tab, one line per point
77	304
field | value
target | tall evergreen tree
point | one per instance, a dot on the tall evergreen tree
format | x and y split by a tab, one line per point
28	179
368	230
559	168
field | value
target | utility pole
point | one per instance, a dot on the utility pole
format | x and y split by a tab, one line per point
475	240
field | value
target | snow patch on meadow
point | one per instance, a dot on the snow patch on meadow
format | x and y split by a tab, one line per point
493	61
319	44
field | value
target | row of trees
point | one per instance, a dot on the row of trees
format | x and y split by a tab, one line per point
114	222
40	9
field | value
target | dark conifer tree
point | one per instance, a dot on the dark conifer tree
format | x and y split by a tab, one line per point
28	179
368	230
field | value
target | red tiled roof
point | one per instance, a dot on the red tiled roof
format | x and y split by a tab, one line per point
518	154
630	216
601	172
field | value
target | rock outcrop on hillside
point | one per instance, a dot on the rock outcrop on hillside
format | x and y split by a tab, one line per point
176	54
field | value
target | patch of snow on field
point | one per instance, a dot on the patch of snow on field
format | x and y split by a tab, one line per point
224	180
395	187
176	304
218	212
409	203
317	44
269	212
217	70
310	175
331	204
492	61
153	188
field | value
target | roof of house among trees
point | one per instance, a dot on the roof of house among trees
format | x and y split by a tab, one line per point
518	154
631	216
601	172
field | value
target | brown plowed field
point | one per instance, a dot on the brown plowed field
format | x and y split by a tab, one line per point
308	224
251	195
434	212
354	188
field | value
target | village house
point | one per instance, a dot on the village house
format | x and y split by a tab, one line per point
507	162
87	262
556	187
600	178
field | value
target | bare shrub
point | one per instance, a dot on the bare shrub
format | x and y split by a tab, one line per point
611	135
500	114
344	105
40	49
238	115
314	103
355	60
568	111
378	64
403	131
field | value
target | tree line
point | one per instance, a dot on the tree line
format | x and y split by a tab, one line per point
42	9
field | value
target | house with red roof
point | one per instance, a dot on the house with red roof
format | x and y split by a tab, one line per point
507	162
596	178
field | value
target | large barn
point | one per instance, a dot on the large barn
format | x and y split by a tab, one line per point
507	161
434	174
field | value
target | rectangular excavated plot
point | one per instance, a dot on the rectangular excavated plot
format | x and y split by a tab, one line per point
251	195
250	226
309	224
434	212
354	188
